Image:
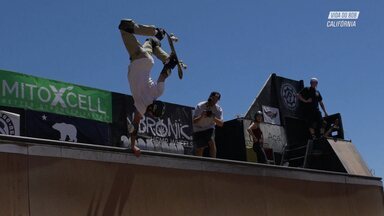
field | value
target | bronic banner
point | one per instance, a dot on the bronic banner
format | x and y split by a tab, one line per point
170	133
29	92
66	128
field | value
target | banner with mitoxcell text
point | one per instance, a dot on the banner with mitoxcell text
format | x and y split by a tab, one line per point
29	92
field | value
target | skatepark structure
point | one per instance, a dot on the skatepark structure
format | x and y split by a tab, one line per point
63	151
45	177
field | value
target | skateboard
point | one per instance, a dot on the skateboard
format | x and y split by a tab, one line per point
180	65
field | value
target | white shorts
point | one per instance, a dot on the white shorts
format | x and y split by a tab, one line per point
144	90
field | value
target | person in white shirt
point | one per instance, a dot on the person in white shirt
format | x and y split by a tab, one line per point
144	90
207	115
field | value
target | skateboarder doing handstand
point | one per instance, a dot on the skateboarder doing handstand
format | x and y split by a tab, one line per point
144	90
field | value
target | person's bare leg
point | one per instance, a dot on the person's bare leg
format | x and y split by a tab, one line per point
136	121
199	152
312	133
212	148
127	29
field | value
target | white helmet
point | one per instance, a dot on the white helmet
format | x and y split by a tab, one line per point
314	79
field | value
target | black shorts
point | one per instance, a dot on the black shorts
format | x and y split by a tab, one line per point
201	138
314	119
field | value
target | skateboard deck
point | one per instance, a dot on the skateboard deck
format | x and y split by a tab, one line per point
180	65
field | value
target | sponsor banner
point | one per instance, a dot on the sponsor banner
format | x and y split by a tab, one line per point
271	115
281	93
21	113
288	101
9	123
33	93
273	137
66	128
170	133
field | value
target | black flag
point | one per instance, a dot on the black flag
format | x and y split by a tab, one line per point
66	128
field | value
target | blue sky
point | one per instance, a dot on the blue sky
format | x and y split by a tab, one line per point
229	46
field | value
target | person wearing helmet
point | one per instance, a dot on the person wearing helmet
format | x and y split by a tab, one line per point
257	137
326	131
206	116
144	90
311	98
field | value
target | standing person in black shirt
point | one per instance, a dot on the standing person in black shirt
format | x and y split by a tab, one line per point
311	99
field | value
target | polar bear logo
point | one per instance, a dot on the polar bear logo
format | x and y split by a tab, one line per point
66	130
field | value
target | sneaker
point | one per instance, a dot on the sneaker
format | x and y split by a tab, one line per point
160	33
127	25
